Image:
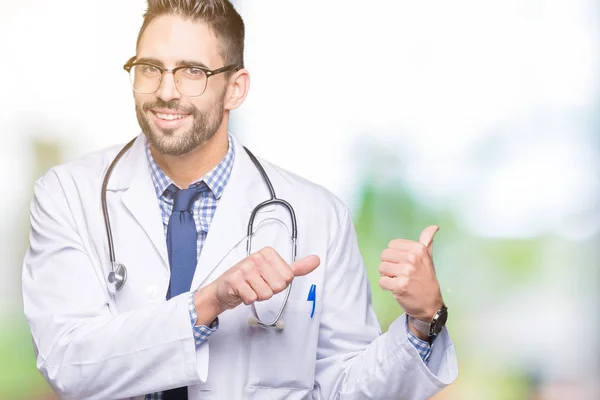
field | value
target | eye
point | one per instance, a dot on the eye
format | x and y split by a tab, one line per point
149	69
193	72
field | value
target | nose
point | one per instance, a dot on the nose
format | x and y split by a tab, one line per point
168	88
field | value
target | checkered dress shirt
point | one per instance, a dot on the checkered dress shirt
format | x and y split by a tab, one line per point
204	209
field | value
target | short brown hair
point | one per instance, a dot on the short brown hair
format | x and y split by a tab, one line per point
220	15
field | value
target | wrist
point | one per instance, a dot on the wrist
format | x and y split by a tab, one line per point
207	306
427	315
421	335
428	327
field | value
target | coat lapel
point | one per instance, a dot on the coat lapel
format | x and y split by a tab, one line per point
132	175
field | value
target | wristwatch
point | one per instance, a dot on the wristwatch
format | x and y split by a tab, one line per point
434	327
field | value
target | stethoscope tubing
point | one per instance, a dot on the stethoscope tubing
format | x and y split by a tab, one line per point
118	271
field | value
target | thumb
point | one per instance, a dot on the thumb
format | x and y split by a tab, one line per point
426	237
305	265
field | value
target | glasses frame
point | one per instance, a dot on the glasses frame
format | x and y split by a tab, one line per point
209	72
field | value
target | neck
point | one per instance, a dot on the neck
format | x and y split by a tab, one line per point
189	168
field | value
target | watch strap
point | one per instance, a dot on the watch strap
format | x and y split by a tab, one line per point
421	326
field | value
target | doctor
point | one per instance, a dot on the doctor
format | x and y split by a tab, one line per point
179	202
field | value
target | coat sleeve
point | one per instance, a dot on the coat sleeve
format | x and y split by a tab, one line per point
82	349
356	361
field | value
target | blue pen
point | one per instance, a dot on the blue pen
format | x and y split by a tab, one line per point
312	296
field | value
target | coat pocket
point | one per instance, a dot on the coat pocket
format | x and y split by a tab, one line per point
285	358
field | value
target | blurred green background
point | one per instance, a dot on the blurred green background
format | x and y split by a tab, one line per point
480	117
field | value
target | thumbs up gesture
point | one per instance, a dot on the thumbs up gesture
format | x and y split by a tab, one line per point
407	271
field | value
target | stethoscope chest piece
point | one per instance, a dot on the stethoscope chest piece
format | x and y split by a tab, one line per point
116	278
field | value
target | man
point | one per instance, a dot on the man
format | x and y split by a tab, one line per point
175	325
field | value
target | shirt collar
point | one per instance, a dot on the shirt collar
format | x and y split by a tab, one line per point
216	179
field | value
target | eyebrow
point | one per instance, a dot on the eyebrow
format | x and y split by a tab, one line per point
180	63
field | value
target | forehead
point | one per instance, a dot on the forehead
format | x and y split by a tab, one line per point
170	38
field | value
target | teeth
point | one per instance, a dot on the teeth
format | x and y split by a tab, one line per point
170	117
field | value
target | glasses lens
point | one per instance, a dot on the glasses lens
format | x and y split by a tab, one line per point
191	81
144	78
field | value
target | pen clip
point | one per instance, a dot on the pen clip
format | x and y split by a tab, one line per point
312	296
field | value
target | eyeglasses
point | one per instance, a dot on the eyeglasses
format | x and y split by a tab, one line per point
190	80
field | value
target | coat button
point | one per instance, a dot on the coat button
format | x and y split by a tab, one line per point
152	292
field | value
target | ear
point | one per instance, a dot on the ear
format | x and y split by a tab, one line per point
239	84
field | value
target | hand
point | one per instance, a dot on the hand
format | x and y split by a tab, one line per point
257	277
407	270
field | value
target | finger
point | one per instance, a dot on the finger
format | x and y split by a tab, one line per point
245	292
259	286
305	265
398	286
426	237
390	255
387	283
400	256
402	244
390	269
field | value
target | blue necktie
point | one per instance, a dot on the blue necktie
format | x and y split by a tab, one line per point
182	239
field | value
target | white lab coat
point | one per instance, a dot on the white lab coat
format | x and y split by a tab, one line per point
92	345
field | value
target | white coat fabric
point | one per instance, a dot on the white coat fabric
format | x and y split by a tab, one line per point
93	345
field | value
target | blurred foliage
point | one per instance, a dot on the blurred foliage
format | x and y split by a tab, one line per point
19	378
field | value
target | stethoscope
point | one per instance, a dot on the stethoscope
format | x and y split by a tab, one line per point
118	272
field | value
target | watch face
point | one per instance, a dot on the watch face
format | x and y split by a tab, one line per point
440	321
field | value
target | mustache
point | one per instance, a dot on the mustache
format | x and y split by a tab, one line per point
173	105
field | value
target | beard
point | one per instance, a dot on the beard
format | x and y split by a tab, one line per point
166	141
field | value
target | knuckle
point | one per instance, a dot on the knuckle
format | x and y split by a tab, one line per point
247	302
382	255
249	263
421	250
287	275
279	286
257	259
401	287
251	298
233	278
268	251
384	268
401	290
412	258
266	294
252	275
244	272
385	254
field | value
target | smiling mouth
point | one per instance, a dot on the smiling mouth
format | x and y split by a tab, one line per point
169	117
